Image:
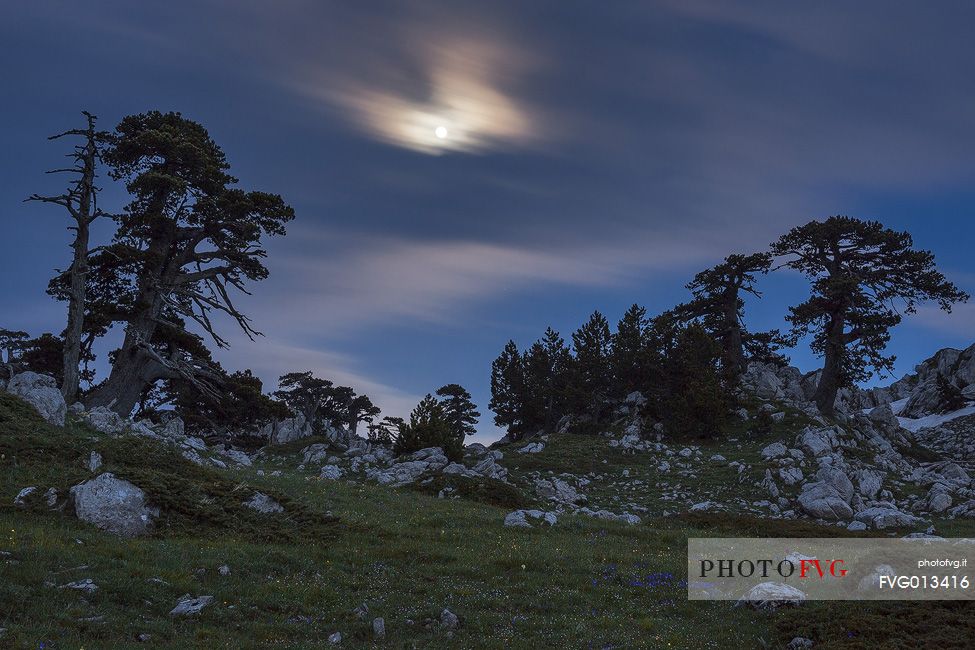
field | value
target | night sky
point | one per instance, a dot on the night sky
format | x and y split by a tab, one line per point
465	173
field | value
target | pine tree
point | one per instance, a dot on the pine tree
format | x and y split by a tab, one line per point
304	393
632	358
508	390
719	305
696	401
547	364
185	242
860	272
428	427
360	409
459	410
591	372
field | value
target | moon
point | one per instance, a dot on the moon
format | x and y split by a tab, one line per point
441	132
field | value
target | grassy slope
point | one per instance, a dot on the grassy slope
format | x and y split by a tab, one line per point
408	555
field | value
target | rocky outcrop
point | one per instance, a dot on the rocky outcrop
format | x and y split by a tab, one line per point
289	430
41	392
113	505
522	518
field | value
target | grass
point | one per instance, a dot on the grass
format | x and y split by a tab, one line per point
584	583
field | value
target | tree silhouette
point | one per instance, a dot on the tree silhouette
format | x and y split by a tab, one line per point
862	276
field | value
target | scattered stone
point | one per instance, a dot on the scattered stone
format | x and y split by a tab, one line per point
880	518
519	518
378	627
87	585
106	420
23	496
264	504
223	570
331	472
532	448
189	606
557	490
113	505
361	611
772	595
94	461
41	392
335	638
449	620
799	643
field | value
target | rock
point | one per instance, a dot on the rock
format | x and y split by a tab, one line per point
774	450
288	430
223	570
455	468
818	442
952	471
174	428
22	498
869	483
771	595
76	409
94	461
799	643
449	620
195	443
361	611
884	417
822	501
557	490
51	497
410	467
880	518
838	480
189	606
335	638
939	499
106	420
489	468
237	456
263	504
532	448
635	398
41	392
331	472
790	475
519	518
768	484
113	505
378	627
87	585
704	506
192	456
625	517
856	526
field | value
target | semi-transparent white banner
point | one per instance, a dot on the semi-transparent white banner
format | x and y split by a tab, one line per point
787	569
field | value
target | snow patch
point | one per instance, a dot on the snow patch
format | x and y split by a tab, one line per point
937	419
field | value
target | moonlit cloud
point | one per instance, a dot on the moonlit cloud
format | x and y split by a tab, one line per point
464	111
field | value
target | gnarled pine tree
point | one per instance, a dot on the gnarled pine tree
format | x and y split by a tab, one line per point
862	274
184	242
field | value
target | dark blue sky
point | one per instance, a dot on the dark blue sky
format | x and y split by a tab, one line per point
594	154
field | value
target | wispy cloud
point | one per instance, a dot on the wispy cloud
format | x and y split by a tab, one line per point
332	291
